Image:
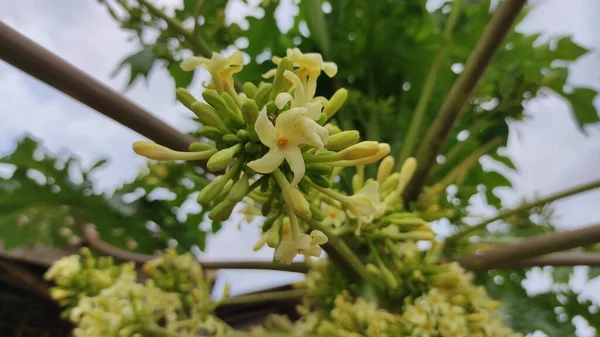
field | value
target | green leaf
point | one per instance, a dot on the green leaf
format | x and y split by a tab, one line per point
182	78
593	272
562	274
568	50
504	160
582	105
139	64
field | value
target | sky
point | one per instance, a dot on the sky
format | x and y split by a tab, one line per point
549	151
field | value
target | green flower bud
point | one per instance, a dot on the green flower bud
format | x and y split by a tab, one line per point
360	150
269	221
318	169
223	193
333	129
342	140
316	213
239	189
220	106
335	103
208	116
222	211
385	169
231	104
250	112
243	135
198	147
185	97
321	181
274	237
266	207
230	138
250	90
271	108
210	191
280	83
221	159
304	186
357	183
262	94
296	202
252	147
388	277
210	132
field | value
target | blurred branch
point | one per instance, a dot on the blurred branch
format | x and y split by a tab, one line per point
460	92
23	53
427	91
524	207
530	248
94	241
284	295
198	44
318	22
562	259
25	279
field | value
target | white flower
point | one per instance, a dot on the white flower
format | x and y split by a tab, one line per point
250	210
291	130
307	245
65	269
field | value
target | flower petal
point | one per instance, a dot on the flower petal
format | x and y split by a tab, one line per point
293	156
282	99
265	129
318	237
311	85
286	251
299	97
330	68
313	110
194	62
284	124
269	162
314	251
270	73
303	242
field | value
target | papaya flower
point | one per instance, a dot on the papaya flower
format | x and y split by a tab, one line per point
365	204
305	244
284	139
222	68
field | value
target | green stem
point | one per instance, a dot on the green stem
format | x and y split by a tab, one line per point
426	93
509	212
320	28
285	295
344	252
499	25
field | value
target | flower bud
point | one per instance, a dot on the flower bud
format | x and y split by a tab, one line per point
371	268
296	201
250	89
210	132
158	152
208	116
318	169
385	169
262	94
239	189
199	147
230	138
221	159
408	169
222	211
384	150
261	242
58	294
335	103
274	236
361	150
252	147
223	109
388	277
210	191
280	83
185	97
250	112
342	140
332	129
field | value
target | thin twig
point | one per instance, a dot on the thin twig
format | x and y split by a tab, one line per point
562	259
492	37
25	279
94	241
427	91
525	207
284	295
530	248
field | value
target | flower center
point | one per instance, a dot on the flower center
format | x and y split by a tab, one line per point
282	141
332	215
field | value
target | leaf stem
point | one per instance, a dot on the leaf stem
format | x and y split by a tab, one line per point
427	91
509	212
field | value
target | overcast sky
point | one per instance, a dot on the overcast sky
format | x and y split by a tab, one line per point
549	151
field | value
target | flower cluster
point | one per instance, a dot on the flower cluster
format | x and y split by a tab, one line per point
103	299
273	145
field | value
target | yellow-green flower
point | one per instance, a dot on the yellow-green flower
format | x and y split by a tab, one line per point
220	67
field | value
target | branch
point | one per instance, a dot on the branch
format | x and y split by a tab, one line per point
284	295
460	92
94	241
531	248
26	280
509	212
427	91
23	53
198	44
563	259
